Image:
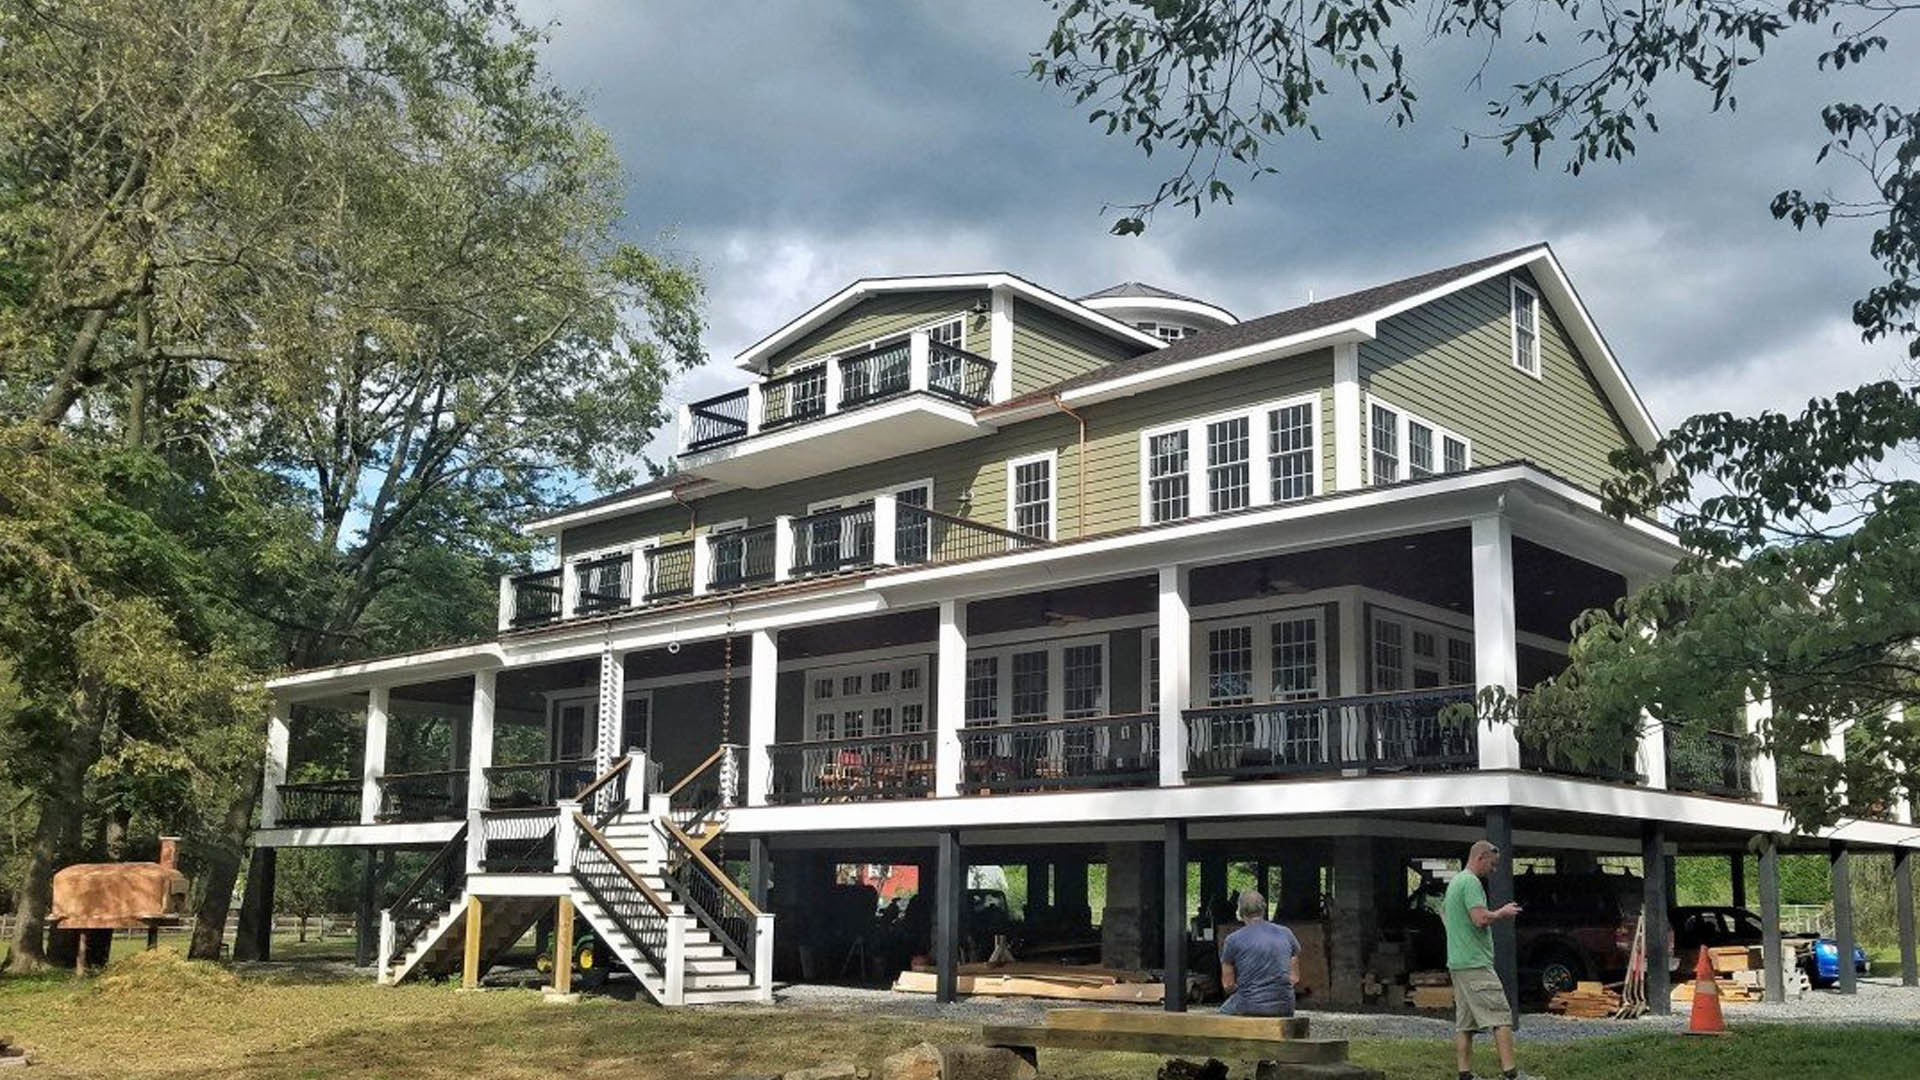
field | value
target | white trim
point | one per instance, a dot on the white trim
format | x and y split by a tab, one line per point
1495	655
1404	419
1348	419
1515	287
1052	458
754	357
1000	342
1214	314
1055	650
554	524
1259	462
895	698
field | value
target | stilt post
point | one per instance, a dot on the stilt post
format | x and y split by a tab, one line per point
1903	914
1653	855
470	958
367	923
563	947
757	872
1173	850
1843	918
951	881
1506	947
1771	959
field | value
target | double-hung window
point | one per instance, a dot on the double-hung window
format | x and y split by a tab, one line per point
1218	456
1030	501
1031	691
1407	447
1526	328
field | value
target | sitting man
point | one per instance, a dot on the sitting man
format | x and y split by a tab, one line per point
1259	963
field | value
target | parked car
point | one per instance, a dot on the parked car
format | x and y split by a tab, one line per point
1575	927
1695	926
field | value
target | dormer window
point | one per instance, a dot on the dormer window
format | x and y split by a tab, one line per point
1526	328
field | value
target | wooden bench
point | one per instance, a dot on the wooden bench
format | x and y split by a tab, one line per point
1284	1043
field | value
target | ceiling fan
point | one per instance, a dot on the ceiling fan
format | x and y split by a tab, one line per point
1056	617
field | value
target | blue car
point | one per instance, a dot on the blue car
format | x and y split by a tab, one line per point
1825	968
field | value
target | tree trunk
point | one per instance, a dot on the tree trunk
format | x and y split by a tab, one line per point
62	804
303	929
229	846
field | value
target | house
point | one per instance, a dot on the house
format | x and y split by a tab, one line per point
974	573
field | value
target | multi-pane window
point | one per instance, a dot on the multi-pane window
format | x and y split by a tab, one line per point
1290	451
951	332
1296	659
1167	476
882	721
1419	450
1153	674
1406	447
1459	661
1385	440
853	723
913	718
1083	681
1526	329
983	688
910	530
1389	655
1032	492
1029	674
1230	665
1228	470
871	700
1423	643
945	369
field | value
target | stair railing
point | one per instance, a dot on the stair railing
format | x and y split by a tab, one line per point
639	912
609	789
426	898
715	900
699	805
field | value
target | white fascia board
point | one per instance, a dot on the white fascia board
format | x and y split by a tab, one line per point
754	357
418	833
1161	303
554	524
839	423
702	622
387	670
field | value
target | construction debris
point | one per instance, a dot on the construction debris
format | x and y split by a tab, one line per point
1586	1001
11	1054
1430	990
1028	979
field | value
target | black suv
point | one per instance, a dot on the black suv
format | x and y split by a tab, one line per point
1572	927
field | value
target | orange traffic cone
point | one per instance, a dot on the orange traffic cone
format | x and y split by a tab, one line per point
1705	1018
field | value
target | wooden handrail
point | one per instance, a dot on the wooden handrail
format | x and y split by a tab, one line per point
627	871
699	856
536	766
717	754
979	526
603	780
457	840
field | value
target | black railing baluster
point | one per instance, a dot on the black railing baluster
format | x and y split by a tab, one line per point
536	597
1421	731
852	770
717	420
1097	751
320	802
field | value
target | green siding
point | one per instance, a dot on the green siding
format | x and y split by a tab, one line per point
1451	362
978	468
885	316
1048	348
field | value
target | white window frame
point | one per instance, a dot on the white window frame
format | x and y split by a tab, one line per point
893	698
722	528
1443	636
1259	462
846	526
1403	419
1530	364
1056	675
1052	458
1261	621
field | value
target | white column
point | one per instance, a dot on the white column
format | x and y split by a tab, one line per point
1348	416
607	720
569	588
783	547
373	763
479	758
279	736
1836	748
1650	757
1353	653
1000	343
565	837
763	700
702	563
506	601
1176	674
885	514
386	945
756	407
1766	776
675	961
1903	810
836	382
641	579
1495	642
950	697
763	957
684	420
917	349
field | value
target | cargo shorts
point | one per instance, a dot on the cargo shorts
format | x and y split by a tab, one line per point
1479	1001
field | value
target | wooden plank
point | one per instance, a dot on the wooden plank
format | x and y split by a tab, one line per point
1239	1027
1290	1051
925	982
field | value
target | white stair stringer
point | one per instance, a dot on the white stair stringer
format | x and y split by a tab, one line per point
433	940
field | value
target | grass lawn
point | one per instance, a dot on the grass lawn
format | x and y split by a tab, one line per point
158	1017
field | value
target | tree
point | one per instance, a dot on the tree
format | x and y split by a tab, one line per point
313	881
1804	541
342	281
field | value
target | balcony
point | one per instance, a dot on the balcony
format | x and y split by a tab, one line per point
1709	762
1420	731
863	537
841	411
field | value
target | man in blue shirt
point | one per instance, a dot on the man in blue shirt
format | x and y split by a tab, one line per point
1259	963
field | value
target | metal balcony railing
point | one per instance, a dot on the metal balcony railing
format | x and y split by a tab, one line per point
852	770
1419	731
1709	762
1054	755
320	802
535	598
717	420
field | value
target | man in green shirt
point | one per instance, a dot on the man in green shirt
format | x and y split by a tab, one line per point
1479	1000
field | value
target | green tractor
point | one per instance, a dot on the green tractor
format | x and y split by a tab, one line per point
591	959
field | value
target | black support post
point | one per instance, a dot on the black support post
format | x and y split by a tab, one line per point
1213	879
366	936
759	872
1653	875
1070	885
1506	946
951	883
1771	959
1737	877
1173	847
1843	918
1903	914
1039	887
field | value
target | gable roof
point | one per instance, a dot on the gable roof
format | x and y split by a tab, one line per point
1351	317
1137	288
755	357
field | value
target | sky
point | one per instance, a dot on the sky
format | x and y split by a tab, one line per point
787	148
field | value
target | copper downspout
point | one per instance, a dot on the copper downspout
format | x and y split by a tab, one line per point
693	515
1080	472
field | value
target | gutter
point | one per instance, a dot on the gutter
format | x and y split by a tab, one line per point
1080	472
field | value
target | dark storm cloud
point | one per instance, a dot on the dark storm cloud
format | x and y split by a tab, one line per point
790	147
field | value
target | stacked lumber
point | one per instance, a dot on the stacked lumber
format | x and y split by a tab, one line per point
1586	1001
1062	981
1430	990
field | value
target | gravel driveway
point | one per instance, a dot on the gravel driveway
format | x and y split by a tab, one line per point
1881	1001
